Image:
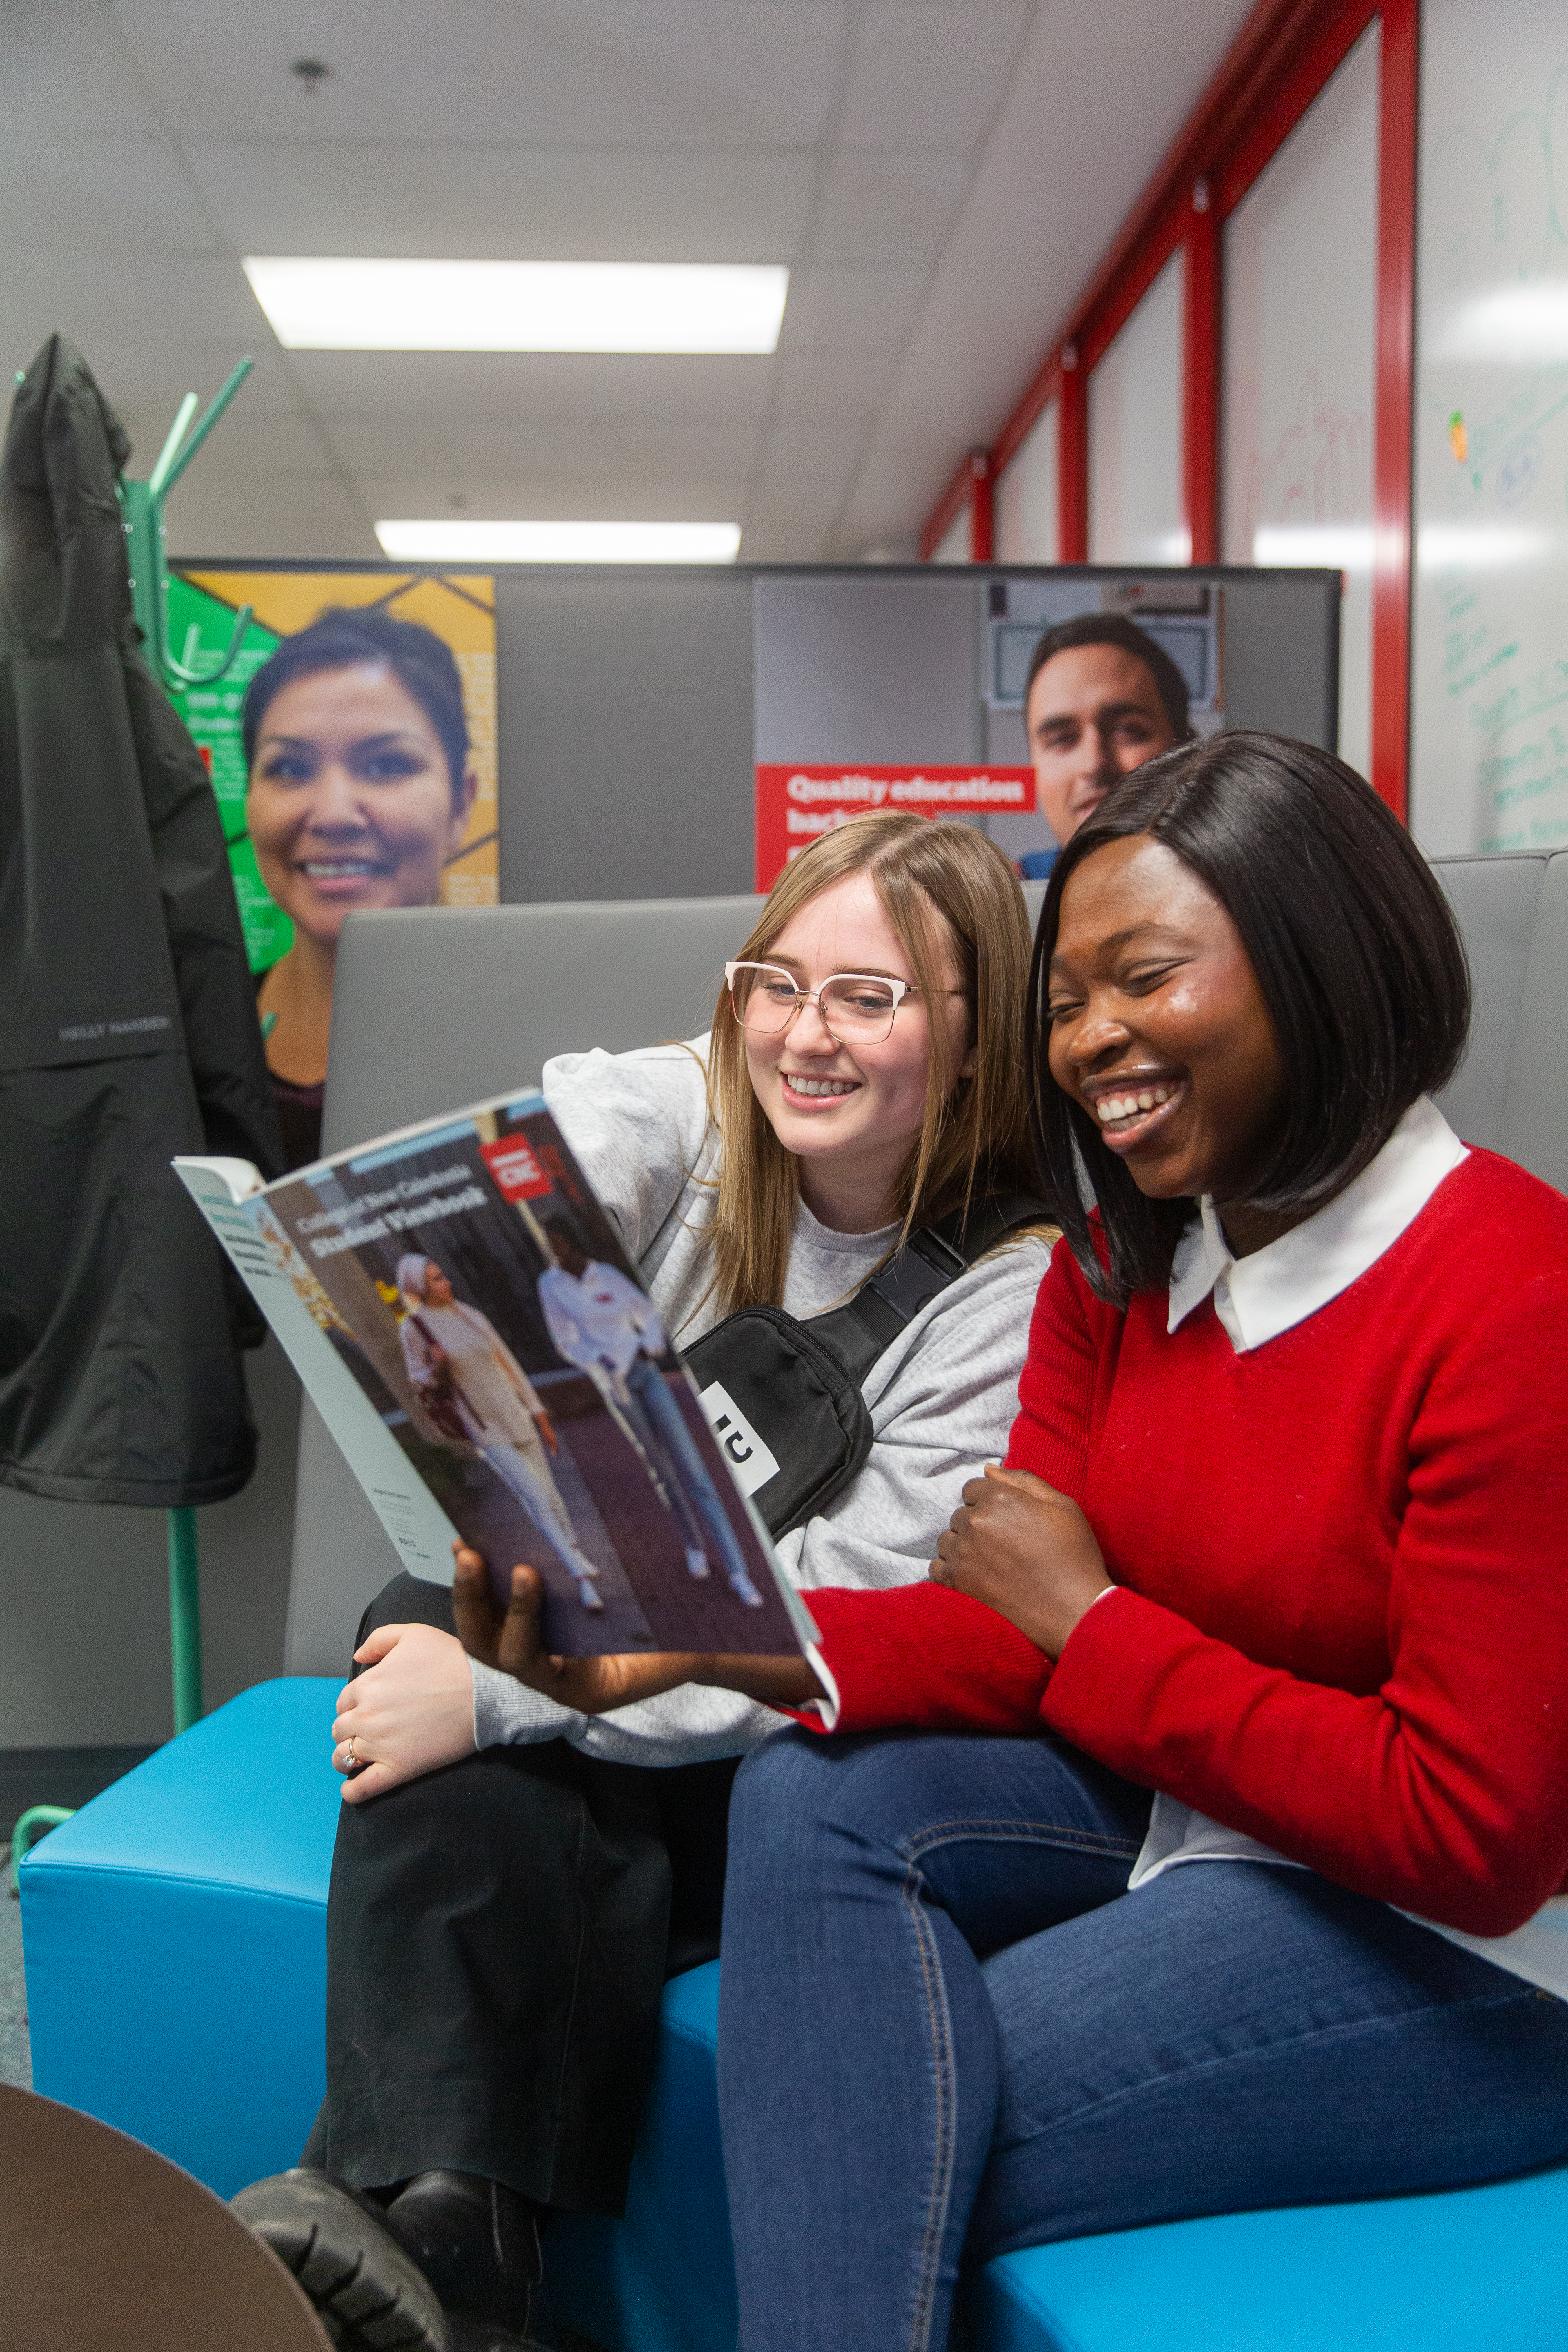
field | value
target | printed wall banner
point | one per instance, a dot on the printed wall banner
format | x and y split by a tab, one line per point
797	803
458	608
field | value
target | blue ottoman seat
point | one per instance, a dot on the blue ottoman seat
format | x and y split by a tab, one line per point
175	1934
1473	2269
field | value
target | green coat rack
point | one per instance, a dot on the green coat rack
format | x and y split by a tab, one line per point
142	506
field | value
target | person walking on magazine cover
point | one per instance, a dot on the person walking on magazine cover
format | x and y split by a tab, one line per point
476	1392
612	1330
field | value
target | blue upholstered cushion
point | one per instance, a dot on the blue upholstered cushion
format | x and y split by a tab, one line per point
662	2280
176	1950
175	1939
1474	2270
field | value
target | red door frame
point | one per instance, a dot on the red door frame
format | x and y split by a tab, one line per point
1278	64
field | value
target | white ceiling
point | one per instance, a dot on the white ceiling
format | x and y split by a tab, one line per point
940	176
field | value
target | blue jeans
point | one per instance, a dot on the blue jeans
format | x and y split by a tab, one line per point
946	2030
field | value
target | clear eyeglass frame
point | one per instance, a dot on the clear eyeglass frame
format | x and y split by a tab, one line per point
866	1024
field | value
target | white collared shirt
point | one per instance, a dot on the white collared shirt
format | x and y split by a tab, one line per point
1255	1299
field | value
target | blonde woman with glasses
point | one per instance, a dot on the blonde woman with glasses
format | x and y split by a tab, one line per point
513	1880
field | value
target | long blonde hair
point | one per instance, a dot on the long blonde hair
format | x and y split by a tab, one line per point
942	887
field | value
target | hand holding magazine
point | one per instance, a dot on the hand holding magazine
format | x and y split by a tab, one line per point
463	1317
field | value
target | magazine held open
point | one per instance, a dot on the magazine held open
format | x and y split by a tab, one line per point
464	1319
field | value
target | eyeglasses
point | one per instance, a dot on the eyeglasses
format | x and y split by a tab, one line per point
854	1005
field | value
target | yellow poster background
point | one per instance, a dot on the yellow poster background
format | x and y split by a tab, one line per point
459	608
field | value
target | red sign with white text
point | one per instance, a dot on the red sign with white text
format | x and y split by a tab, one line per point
797	803
518	1174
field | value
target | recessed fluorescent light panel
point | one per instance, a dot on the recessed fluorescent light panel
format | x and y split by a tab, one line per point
323	304
560	543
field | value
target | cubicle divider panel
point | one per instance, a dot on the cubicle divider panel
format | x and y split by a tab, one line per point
1535	1128
436	1007
637	704
626	731
1496	901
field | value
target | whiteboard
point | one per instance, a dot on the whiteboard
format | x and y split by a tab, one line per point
1490	770
1135	503
954	546
1298	404
1028	521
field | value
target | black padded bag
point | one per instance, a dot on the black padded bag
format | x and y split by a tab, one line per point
796	1386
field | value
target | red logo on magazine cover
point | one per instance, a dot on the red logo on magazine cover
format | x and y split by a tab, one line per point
516	1172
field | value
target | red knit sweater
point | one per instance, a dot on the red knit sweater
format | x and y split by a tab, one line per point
1342	1620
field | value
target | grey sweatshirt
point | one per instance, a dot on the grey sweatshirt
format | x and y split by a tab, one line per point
942	1398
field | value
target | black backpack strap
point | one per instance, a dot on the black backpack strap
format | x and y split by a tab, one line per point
933	1256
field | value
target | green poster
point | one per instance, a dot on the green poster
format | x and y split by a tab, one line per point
199	630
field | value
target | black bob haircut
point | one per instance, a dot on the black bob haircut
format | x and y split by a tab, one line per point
1115	629
1355	952
342	638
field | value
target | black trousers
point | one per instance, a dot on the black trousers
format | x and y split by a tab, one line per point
498	1934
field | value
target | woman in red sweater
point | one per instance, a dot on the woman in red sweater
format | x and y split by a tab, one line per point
1273	1576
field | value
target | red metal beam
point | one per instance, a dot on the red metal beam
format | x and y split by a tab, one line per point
1201	380
1399	87
1267	51
1072	463
982	506
1277	63
1314	53
1285	53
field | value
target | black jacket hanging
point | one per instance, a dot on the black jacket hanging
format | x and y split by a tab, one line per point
128	1026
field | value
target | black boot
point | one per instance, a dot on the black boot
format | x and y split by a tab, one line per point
476	2240
370	2295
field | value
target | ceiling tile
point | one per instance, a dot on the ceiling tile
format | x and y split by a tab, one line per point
520	451
457	384
667	73
1101	88
783	542
831	384
588	497
849	310
803	453
149	379
887	205
929	74
983	153
556	203
286	515
804	506
244	444
64	69
101	303
110	196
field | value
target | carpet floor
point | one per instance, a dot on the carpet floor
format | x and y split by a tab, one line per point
16	2055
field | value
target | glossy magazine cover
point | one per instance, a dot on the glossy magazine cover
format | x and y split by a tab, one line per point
463	1316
